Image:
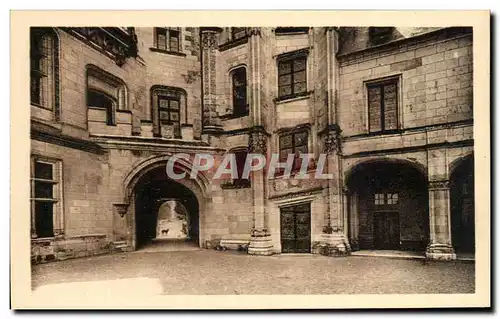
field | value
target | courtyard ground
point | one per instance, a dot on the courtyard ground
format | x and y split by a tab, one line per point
227	272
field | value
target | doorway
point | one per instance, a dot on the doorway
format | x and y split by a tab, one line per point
462	207
386	230
296	228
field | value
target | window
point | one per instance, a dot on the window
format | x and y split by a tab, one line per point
383	106
379	199
100	100
169	110
43	62
106	92
239	79
282	30
293	143
168	39
292	77
45	198
386	199
238	33
239	181
392	199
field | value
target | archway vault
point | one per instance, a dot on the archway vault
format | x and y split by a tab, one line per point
387	205
198	185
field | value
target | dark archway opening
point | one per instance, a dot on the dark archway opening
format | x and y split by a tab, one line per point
164	210
388	207
462	207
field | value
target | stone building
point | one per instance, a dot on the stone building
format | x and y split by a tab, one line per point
391	108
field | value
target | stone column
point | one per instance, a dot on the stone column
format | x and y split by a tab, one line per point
211	122
440	246
334	241
260	240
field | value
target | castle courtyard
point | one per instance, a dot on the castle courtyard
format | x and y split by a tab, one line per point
227	273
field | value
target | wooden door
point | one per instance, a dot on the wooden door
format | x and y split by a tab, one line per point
296	229
386	230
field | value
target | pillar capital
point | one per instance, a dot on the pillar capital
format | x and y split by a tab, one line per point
258	142
439	185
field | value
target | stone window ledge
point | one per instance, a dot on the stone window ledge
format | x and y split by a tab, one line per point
167	52
233	43
292	98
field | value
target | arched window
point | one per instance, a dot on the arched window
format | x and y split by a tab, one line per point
240	155
43	67
239	88
101	100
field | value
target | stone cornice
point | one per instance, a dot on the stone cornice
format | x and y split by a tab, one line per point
46	133
152	144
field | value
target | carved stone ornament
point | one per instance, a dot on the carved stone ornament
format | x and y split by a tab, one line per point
258	143
259	232
121	209
253	31
332	140
117	43
209	40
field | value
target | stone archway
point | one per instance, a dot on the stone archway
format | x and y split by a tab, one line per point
462	205
146	187
387	206
165	210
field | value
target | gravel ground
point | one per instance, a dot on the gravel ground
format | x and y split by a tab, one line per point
214	272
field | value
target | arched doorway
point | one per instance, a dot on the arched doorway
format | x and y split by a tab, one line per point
165	210
462	206
388	207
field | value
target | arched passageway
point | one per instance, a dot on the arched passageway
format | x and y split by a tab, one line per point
165	210
388	207
462	206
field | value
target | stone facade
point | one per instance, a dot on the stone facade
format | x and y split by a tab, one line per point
100	168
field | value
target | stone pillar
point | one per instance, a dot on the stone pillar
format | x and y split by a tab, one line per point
334	240
211	122
440	246
260	240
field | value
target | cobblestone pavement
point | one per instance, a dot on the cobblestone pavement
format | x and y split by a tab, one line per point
214	272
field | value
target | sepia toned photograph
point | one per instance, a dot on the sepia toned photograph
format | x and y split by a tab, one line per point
240	160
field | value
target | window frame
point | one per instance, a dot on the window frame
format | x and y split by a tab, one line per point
245	109
51	75
291	58
238	182
110	111
167	33
392	79
297	163
382	198
170	110
56	199
175	93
